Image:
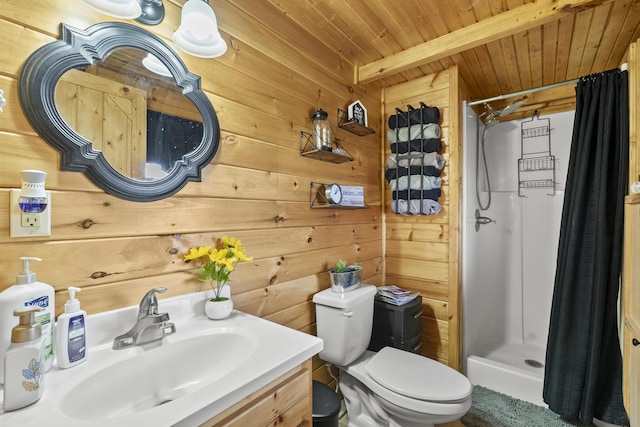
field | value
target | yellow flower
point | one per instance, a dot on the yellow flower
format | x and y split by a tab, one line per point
218	263
195	253
239	253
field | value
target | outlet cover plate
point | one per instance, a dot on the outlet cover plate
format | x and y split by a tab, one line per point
15	218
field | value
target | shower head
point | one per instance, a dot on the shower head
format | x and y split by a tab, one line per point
510	108
491	116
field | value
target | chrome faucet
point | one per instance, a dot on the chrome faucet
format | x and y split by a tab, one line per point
151	325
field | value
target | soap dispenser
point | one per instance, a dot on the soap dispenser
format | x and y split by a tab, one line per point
27	292
70	333
24	363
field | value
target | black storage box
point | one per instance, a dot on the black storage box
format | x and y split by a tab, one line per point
398	326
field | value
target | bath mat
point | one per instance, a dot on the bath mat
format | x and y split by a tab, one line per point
493	409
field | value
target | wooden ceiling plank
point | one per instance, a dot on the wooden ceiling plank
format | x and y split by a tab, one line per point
323	28
456	14
549	52
565	28
293	32
368	26
512	21
581	28
521	41
491	75
627	32
511	62
592	44
392	22
498	57
535	56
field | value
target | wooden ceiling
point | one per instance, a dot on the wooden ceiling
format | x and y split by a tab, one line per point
500	46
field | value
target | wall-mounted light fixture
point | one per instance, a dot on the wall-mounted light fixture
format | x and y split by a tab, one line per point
150	12
198	33
30	207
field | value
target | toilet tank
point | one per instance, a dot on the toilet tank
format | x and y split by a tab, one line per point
344	322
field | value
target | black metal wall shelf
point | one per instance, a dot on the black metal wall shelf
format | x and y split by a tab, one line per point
318	199
337	154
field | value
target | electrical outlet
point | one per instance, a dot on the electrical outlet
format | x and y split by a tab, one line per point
31	220
28	225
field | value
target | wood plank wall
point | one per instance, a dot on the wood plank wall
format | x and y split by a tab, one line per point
633	64
264	90
422	252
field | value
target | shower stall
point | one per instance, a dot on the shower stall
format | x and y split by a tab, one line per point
509	254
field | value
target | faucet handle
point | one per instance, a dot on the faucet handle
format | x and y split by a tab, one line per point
149	303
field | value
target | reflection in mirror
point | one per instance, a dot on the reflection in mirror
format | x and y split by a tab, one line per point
131	111
120	105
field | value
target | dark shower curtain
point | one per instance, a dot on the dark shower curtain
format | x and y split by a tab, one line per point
583	374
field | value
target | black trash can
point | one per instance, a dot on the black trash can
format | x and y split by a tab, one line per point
326	406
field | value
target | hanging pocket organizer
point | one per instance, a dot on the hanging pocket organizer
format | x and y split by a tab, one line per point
414	167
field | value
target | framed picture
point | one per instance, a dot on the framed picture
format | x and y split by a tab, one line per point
357	112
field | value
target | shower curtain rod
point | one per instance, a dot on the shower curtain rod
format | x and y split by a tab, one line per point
623	67
523	92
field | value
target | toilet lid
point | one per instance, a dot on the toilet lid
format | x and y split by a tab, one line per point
417	377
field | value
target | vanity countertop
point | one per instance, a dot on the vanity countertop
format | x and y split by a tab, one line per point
215	382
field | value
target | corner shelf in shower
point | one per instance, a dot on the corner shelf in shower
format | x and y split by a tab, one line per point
536	165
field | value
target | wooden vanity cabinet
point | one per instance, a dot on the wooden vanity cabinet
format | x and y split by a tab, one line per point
286	401
631	307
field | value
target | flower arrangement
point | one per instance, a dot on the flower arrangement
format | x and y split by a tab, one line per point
218	262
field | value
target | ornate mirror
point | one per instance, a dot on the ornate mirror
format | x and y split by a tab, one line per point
120	105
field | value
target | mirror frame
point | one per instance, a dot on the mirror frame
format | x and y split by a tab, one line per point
80	48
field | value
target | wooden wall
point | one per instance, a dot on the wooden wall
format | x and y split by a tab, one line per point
264	90
422	252
634	111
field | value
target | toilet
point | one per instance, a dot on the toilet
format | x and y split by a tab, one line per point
391	387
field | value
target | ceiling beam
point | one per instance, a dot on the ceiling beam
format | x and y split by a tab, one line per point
521	18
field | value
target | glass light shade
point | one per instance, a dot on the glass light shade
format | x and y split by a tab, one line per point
198	33
124	9
156	66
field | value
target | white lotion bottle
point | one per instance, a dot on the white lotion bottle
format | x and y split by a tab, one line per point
70	333
24	363
27	292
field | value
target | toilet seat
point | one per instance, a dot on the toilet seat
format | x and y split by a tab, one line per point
418	377
359	371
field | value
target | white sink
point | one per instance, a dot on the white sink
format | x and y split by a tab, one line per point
183	380
162	375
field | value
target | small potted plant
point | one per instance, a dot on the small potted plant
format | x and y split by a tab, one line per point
345	277
217	264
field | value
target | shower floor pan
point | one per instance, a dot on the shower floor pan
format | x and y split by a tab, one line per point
506	370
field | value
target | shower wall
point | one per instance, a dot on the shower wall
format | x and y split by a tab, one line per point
509	265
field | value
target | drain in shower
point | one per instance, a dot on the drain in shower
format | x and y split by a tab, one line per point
533	363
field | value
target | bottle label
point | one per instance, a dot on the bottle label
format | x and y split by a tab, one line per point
76	344
44	318
32	375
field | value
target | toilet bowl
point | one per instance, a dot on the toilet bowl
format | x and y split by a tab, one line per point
411	389
389	388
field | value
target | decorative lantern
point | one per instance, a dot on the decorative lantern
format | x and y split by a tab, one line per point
322	130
